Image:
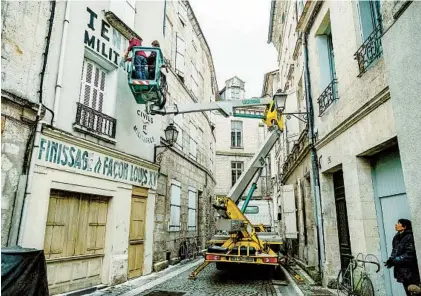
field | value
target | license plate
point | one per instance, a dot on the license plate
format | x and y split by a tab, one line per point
242	258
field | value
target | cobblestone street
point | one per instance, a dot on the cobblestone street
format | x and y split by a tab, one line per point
211	282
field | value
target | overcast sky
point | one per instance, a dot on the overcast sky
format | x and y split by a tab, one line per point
236	31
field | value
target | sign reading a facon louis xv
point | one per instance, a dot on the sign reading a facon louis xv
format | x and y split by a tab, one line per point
61	155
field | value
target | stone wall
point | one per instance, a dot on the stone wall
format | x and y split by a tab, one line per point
188	173
15	134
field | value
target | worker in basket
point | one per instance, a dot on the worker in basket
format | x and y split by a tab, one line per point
140	59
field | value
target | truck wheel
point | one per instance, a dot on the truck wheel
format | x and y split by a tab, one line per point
220	266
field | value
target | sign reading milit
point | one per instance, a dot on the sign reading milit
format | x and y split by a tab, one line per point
60	155
102	45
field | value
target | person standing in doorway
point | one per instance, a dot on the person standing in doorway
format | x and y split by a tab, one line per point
403	257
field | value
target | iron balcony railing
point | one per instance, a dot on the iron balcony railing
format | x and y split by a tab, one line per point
329	95
370	50
95	121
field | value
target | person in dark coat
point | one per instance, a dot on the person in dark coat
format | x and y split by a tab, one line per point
403	257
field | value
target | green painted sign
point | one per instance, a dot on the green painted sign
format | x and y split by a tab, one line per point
62	155
250	101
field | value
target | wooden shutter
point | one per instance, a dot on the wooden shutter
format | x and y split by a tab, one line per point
93	85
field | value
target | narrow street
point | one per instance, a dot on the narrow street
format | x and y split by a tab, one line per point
212	282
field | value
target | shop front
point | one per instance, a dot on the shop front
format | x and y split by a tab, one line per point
90	209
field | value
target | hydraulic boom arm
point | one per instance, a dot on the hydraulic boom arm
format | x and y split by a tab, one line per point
255	164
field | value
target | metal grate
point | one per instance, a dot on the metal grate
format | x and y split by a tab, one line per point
328	96
95	121
370	50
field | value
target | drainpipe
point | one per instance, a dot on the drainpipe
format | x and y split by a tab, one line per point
314	162
63	46
38	129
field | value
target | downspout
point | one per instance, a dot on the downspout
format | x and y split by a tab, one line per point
35	144
63	46
314	160
165	18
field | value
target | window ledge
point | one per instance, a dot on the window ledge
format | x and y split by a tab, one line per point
105	138
237	147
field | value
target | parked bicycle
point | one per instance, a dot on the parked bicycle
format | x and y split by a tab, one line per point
189	249
355	280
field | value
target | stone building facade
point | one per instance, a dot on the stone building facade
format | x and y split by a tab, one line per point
92	191
344	163
238	139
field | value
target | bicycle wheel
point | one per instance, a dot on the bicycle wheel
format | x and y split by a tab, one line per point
367	288
344	282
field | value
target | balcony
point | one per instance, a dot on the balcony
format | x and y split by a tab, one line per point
328	96
91	120
296	156
370	50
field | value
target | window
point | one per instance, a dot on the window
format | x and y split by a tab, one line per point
178	121
92	88
169	32
211	153
236	133
236	170
193	140
252	210
179	57
191	225
175	206
235	93
326	53
182	12
369	12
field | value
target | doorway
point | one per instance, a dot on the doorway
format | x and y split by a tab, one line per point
391	204
342	219
137	232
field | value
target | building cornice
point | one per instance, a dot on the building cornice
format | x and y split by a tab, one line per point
310	11
232	153
355	117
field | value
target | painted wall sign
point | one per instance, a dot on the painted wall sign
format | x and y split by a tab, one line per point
58	154
143	130
103	45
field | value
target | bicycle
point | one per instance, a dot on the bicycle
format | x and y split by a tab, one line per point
356	283
188	249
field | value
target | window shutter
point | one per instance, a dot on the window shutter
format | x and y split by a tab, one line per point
175	207
290	219
192	209
179	57
93	85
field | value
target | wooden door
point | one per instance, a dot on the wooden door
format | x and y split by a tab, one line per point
391	205
342	219
74	240
137	232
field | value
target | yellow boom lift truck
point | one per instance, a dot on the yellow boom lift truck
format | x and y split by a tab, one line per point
238	241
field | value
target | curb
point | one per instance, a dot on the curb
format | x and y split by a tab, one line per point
164	278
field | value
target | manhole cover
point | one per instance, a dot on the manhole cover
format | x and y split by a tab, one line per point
165	293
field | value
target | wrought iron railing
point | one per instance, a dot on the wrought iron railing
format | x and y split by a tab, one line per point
95	121
295	153
328	96
370	50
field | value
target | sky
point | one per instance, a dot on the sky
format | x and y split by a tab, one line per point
236	32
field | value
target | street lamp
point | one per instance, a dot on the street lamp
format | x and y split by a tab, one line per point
171	134
280	98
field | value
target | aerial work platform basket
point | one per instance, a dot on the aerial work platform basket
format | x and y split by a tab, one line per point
146	81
